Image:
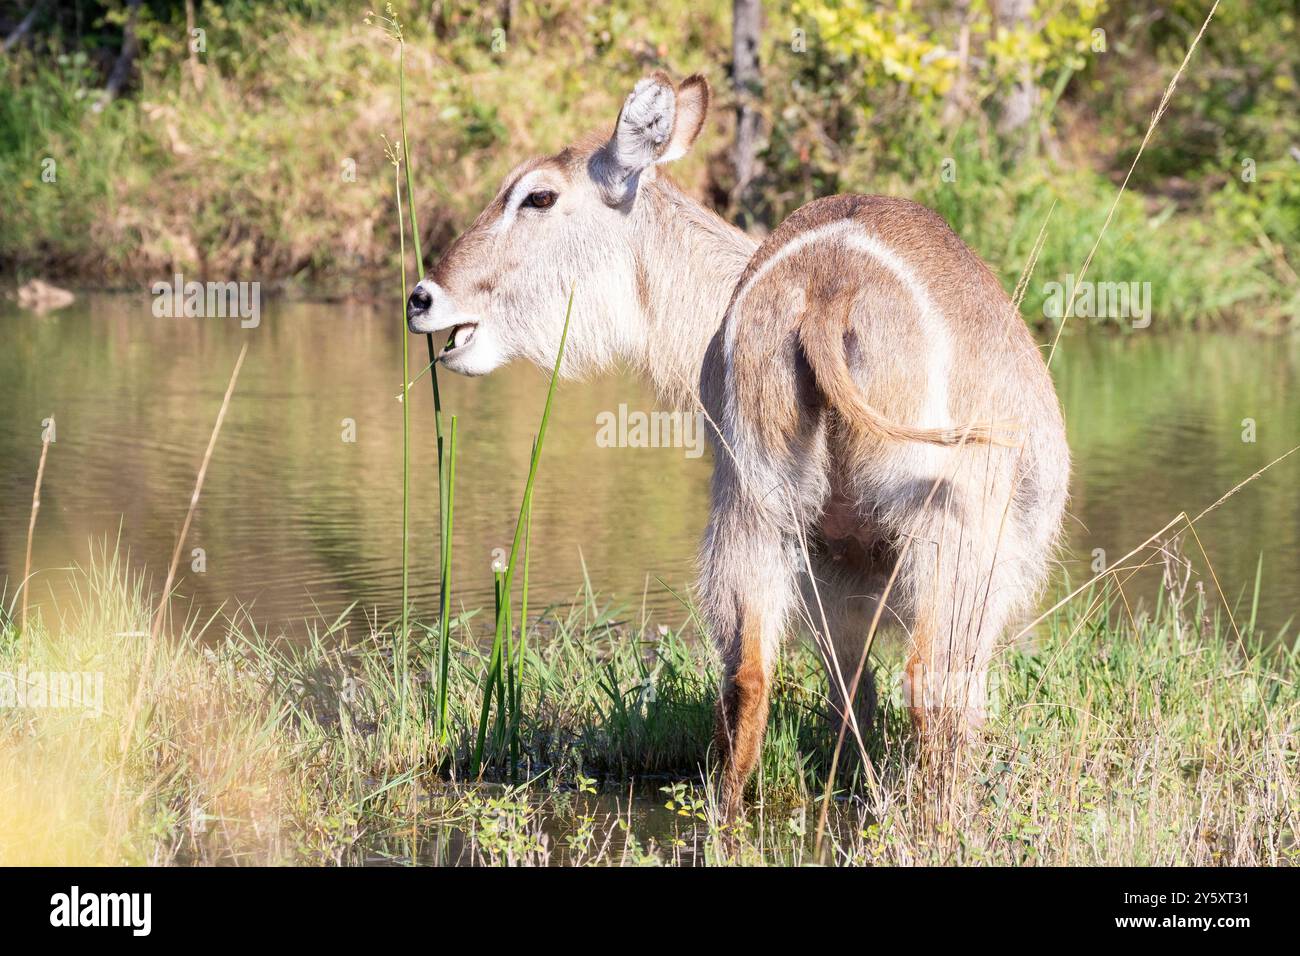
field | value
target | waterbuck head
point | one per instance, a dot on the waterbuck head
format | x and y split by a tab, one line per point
575	220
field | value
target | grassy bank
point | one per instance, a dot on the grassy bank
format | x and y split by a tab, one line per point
1158	740
261	158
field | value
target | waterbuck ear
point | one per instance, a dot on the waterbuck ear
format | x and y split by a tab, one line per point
656	125
692	108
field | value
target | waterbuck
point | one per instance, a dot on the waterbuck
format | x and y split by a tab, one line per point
855	369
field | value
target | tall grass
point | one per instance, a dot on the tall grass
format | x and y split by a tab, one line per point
447	461
1115	737
1154	739
504	674
31	523
446	449
404	633
505	653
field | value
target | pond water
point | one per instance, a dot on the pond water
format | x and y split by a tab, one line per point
295	521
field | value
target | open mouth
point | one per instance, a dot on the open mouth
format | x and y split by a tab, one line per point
461	336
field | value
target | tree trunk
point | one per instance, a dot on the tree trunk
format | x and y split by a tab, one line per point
956	104
1018	104
746	27
23	28
192	64
130	47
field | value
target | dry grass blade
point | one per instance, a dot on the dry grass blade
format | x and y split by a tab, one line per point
116	814
1022	284
31	524
1151	128
194	498
180	544
1151	539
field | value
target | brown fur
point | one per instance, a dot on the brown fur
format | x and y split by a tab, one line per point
858	369
813	448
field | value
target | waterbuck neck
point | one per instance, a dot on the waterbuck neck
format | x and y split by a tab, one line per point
688	262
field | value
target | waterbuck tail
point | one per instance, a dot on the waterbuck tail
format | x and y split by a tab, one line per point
823	345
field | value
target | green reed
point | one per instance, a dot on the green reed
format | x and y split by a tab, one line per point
505	670
446	443
400	655
506	654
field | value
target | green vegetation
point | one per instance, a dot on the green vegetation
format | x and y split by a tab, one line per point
1116	735
1159	740
261	155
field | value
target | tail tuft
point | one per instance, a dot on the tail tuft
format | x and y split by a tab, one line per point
825	352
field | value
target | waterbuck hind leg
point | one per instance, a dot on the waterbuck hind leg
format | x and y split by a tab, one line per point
747	586
963	577
840	603
741	721
748	602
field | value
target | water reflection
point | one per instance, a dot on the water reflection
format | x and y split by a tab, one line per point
294	517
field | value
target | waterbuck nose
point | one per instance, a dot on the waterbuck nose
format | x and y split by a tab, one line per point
419	302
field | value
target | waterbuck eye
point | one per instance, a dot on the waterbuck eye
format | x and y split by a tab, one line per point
540	199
